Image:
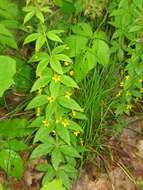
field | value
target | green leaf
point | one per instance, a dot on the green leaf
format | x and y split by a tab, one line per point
55	89
68	81
40	15
74	126
37	122
69	103
37	101
63	57
42	149
69	151
56	66
49	175
56	184
53	36
102	51
15	145
68	7
11	163
40	83
14	128
7	71
5	31
43	167
56	158
31	38
76	44
85	63
28	16
63	133
43	135
41	66
59	49
82	29
40	42
50	109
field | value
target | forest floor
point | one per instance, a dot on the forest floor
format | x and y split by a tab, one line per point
119	167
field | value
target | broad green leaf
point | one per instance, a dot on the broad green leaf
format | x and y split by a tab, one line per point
69	151
37	101
56	65
56	184
82	29
56	158
50	109
68	81
37	123
76	44
79	115
59	49
64	176
14	128
28	16
40	15
51	173
63	57
5	31
41	66
31	38
53	36
84	64
75	127
15	145
40	42
55	89
63	133
69	103
43	135
42	149
42	167
11	163
7	71
8	41
40	83
67	7
102	51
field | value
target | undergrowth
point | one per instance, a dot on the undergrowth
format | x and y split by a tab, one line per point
70	71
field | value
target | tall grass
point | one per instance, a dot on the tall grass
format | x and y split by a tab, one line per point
97	96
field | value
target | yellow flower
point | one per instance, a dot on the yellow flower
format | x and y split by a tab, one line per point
56	78
71	73
141	90
38	112
121	84
66	63
39	91
73	113
141	80
50	99
129	106
76	133
119	94
127	77
68	95
65	123
45	123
